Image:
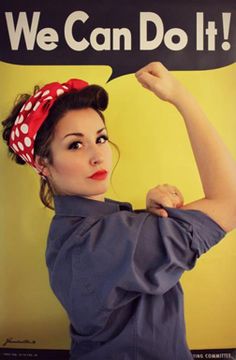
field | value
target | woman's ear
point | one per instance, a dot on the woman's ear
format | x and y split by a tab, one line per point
41	165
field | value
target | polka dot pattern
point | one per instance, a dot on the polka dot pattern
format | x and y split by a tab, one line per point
28	106
36	106
60	92
37	94
32	115
15	147
21	119
46	93
24	128
27	141
20	146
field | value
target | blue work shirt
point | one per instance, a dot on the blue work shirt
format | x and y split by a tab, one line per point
116	272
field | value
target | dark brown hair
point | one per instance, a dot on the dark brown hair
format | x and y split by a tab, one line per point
92	96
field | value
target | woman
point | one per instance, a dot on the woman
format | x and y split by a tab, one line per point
117	271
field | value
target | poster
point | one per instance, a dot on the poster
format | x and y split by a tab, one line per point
106	44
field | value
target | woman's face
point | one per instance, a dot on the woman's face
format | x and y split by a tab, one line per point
80	149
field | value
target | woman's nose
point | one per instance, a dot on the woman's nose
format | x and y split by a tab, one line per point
96	157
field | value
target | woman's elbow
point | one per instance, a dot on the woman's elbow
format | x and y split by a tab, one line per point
227	217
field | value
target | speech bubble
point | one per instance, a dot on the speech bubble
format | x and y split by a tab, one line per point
125	35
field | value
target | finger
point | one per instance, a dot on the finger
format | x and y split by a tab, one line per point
147	80
175	193
163	200
170	200
154	68
161	197
180	195
165	195
159	212
176	201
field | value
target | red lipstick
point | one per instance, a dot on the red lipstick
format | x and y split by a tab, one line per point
99	175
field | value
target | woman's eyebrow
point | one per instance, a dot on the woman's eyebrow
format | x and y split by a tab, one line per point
82	135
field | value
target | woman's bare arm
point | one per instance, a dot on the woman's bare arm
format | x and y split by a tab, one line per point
217	168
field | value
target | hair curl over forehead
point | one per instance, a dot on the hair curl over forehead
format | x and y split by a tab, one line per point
93	96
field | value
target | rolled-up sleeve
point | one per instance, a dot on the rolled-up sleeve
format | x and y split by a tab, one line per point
124	254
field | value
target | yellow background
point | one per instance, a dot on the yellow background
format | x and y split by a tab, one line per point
154	150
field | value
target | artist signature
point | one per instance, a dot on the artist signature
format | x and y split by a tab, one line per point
12	341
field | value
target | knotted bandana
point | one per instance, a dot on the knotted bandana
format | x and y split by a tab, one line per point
33	114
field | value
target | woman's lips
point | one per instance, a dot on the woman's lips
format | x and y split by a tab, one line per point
99	175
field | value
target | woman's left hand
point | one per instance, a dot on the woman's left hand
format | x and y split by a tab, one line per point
163	195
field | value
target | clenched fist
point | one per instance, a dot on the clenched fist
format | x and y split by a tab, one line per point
156	78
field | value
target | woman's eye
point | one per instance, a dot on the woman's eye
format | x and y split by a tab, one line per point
102	139
75	145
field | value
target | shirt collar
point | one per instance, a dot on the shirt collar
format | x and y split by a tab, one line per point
80	206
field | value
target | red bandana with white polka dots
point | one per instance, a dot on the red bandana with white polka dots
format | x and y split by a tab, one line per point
32	115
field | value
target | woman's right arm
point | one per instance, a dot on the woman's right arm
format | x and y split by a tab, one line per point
216	166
